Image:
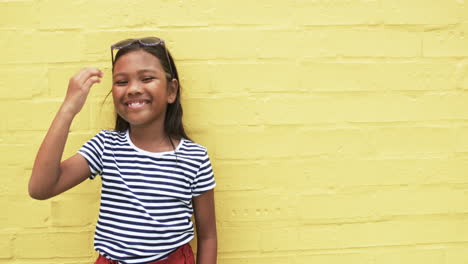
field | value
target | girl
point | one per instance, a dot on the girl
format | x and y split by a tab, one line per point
153	177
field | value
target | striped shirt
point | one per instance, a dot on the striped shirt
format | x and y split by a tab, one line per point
146	197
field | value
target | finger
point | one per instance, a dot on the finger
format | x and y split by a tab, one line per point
86	73
89	72
80	75
90	81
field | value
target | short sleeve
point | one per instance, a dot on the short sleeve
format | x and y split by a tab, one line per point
92	151
204	179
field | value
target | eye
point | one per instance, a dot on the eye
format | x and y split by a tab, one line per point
120	82
148	79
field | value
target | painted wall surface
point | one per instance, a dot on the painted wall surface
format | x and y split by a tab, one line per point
338	129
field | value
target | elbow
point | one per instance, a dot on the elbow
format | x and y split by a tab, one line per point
37	194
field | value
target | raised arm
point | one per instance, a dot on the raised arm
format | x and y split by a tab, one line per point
49	175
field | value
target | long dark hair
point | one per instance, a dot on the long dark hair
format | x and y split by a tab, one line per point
173	126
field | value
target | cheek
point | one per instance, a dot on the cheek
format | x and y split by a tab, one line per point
116	97
116	93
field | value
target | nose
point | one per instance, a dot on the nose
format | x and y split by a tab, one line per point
134	88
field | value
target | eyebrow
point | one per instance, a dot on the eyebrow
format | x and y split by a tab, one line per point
139	72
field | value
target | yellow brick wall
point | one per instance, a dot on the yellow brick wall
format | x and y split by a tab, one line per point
338	129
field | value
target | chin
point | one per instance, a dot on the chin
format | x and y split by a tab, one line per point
136	123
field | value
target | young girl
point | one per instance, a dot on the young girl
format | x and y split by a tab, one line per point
153	177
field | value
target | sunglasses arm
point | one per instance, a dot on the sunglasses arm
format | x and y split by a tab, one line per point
112	56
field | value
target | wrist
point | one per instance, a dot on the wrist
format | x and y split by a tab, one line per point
67	111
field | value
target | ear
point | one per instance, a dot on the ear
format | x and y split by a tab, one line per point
173	87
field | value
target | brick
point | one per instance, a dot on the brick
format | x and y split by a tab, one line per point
461	142
228	44
53	244
223	78
264	13
336	257
461	76
75	260
196	77
63	11
237	78
237	110
18	14
317	175
6	246
79	14
192	13
397	232
238	44
282	44
103	114
297	143
341	12
91	188
22	82
430	256
234	239
377	202
3	126
32	138
238	208
74	210
346	42
385	255
325	108
421	12
325	173
21	148
88	14
18	155
446	42
84	261
373	76
455	254
15	181
284	239
241	176
38	115
258	260
24	212
36	47
405	140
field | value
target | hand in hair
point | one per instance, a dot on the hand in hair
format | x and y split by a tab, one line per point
49	175
78	89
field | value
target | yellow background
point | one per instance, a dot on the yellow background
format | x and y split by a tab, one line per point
337	128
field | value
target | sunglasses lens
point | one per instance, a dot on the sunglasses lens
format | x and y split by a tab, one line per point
150	40
122	43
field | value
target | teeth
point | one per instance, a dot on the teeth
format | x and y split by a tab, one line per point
136	103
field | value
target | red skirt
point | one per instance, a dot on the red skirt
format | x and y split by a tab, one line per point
183	255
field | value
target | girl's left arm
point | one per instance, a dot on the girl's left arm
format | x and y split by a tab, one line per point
205	221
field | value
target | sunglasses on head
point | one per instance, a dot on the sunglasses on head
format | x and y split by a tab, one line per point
147	41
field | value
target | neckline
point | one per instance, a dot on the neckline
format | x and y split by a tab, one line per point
150	153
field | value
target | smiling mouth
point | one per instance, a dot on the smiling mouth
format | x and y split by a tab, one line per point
136	104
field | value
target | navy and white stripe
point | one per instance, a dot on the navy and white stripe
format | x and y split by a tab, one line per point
146	197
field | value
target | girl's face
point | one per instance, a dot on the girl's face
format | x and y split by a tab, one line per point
140	89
